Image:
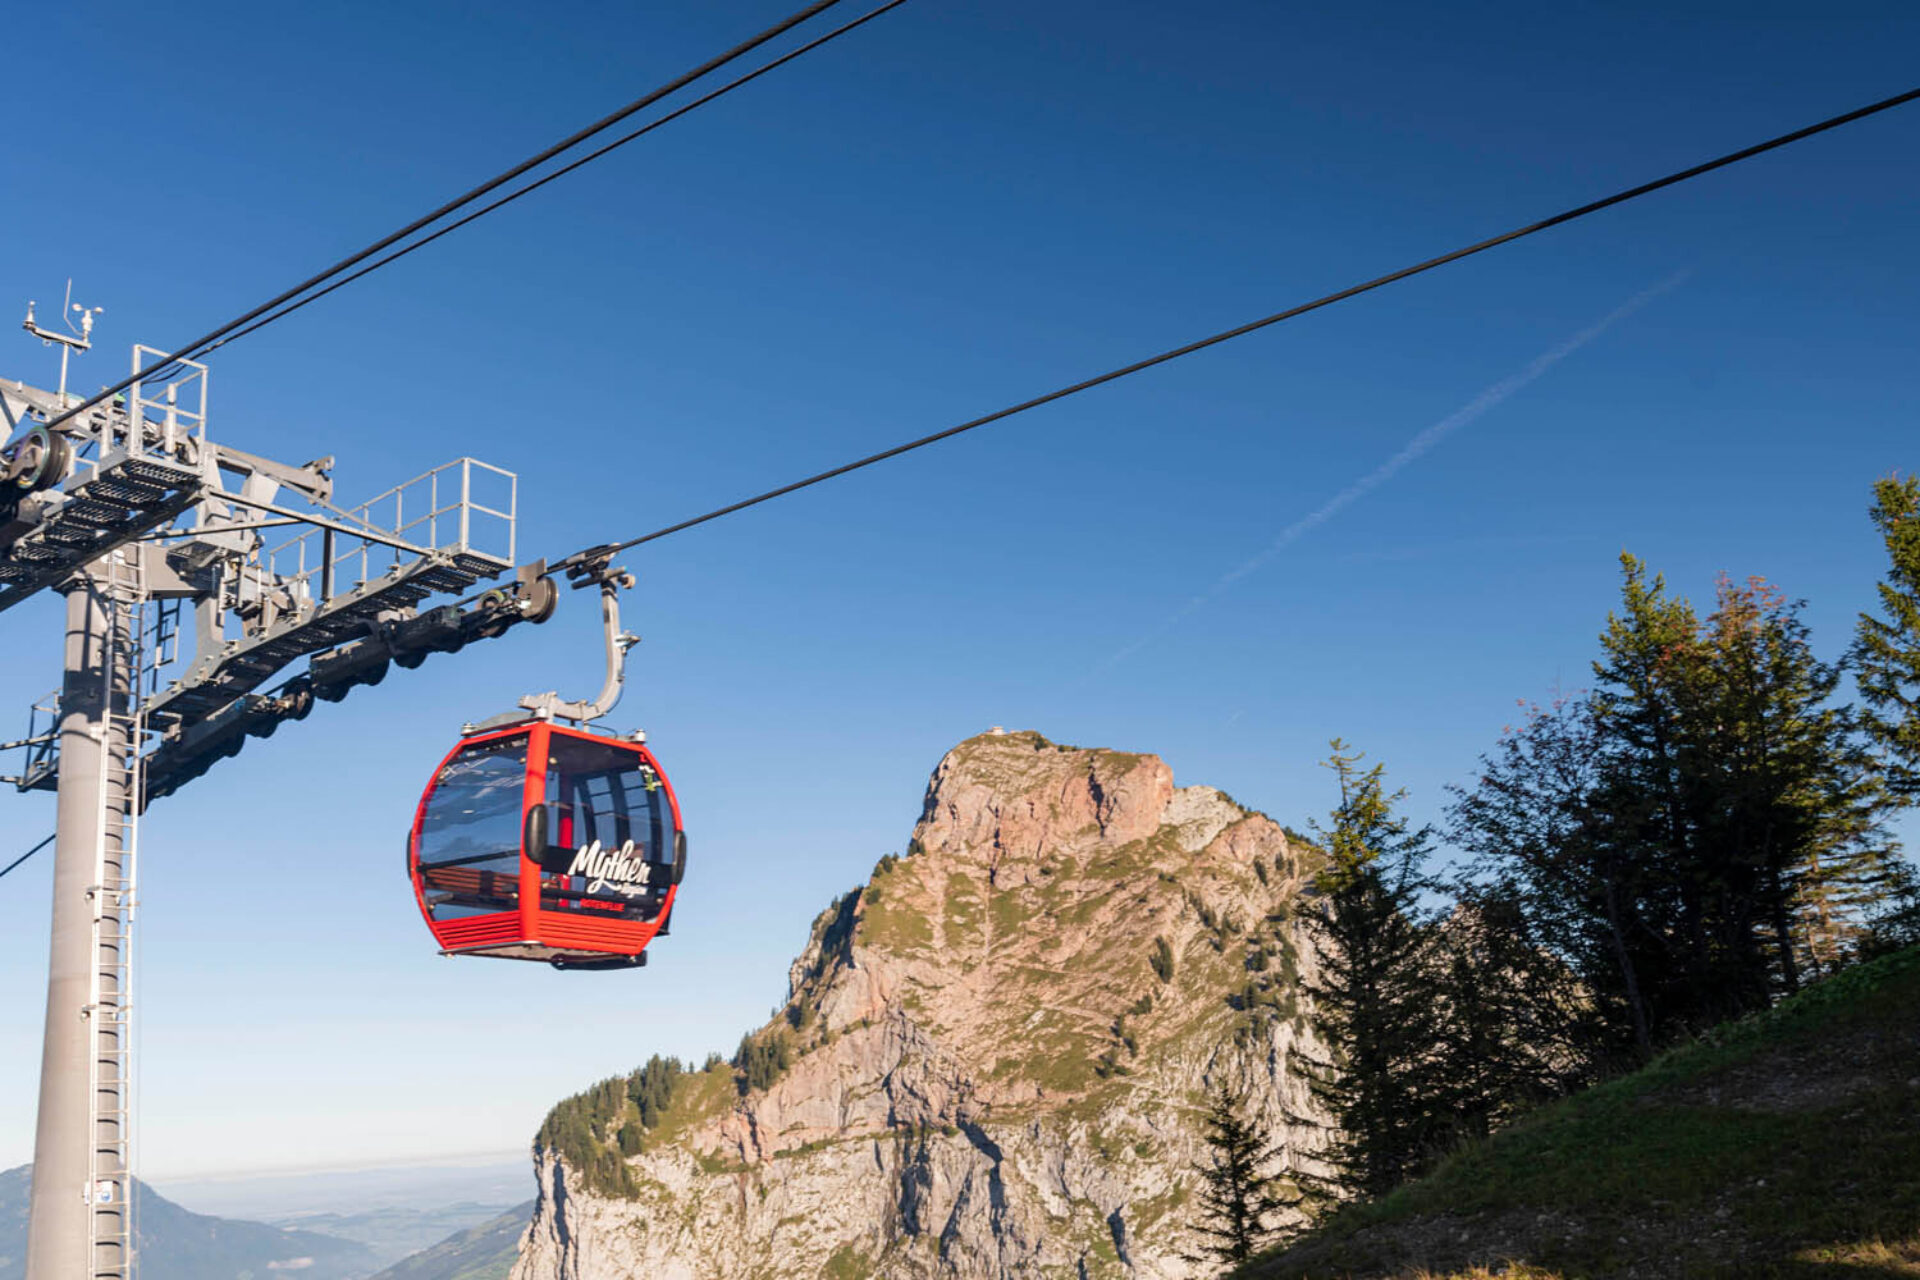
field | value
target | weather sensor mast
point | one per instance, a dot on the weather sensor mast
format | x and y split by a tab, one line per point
76	338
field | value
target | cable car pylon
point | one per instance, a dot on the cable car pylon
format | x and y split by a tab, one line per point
180	608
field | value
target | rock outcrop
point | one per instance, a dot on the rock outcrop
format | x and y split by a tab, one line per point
994	1056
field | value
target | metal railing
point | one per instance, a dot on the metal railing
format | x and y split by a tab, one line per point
42	743
150	420
173	410
437	511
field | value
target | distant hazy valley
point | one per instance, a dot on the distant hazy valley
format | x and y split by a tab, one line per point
327	1226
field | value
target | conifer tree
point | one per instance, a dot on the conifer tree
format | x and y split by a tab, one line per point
1886	653
1376	1003
1795	800
1893	923
1702	831
1645	802
763	1059
1854	902
1238	1197
651	1088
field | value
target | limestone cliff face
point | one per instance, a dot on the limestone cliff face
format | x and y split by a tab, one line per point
995	1071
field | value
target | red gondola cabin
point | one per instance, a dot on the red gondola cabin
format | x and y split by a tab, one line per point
540	842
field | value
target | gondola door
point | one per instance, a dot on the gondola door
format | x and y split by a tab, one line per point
608	879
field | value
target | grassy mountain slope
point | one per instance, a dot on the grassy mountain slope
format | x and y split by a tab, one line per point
1784	1145
485	1252
178	1245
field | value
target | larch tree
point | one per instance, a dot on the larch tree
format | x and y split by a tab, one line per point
1791	839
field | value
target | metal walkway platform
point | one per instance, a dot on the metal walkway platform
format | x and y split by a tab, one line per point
247	664
122	501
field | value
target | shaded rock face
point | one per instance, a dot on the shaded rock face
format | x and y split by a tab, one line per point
989	1076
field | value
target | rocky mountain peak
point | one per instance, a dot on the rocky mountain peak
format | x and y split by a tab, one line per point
993	1054
1017	799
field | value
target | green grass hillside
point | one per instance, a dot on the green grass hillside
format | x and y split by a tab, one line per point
1783	1145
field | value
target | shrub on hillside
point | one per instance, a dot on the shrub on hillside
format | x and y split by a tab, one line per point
1162	959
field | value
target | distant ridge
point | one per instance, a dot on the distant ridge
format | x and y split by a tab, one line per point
176	1244
280	1195
485	1252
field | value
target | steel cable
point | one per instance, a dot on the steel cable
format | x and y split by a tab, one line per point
544	179
1481	246
200	345
28	854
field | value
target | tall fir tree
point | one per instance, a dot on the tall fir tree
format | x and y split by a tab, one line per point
1240	1196
1886	652
1376	1001
1646	803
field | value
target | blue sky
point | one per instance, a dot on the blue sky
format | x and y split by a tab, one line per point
957	207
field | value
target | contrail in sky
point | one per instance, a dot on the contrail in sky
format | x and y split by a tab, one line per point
1492	397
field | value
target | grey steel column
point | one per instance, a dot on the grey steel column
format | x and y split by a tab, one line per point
57	1228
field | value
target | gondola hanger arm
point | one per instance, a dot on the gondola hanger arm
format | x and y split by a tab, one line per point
610	581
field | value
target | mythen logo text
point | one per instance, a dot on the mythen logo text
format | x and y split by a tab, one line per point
624	870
